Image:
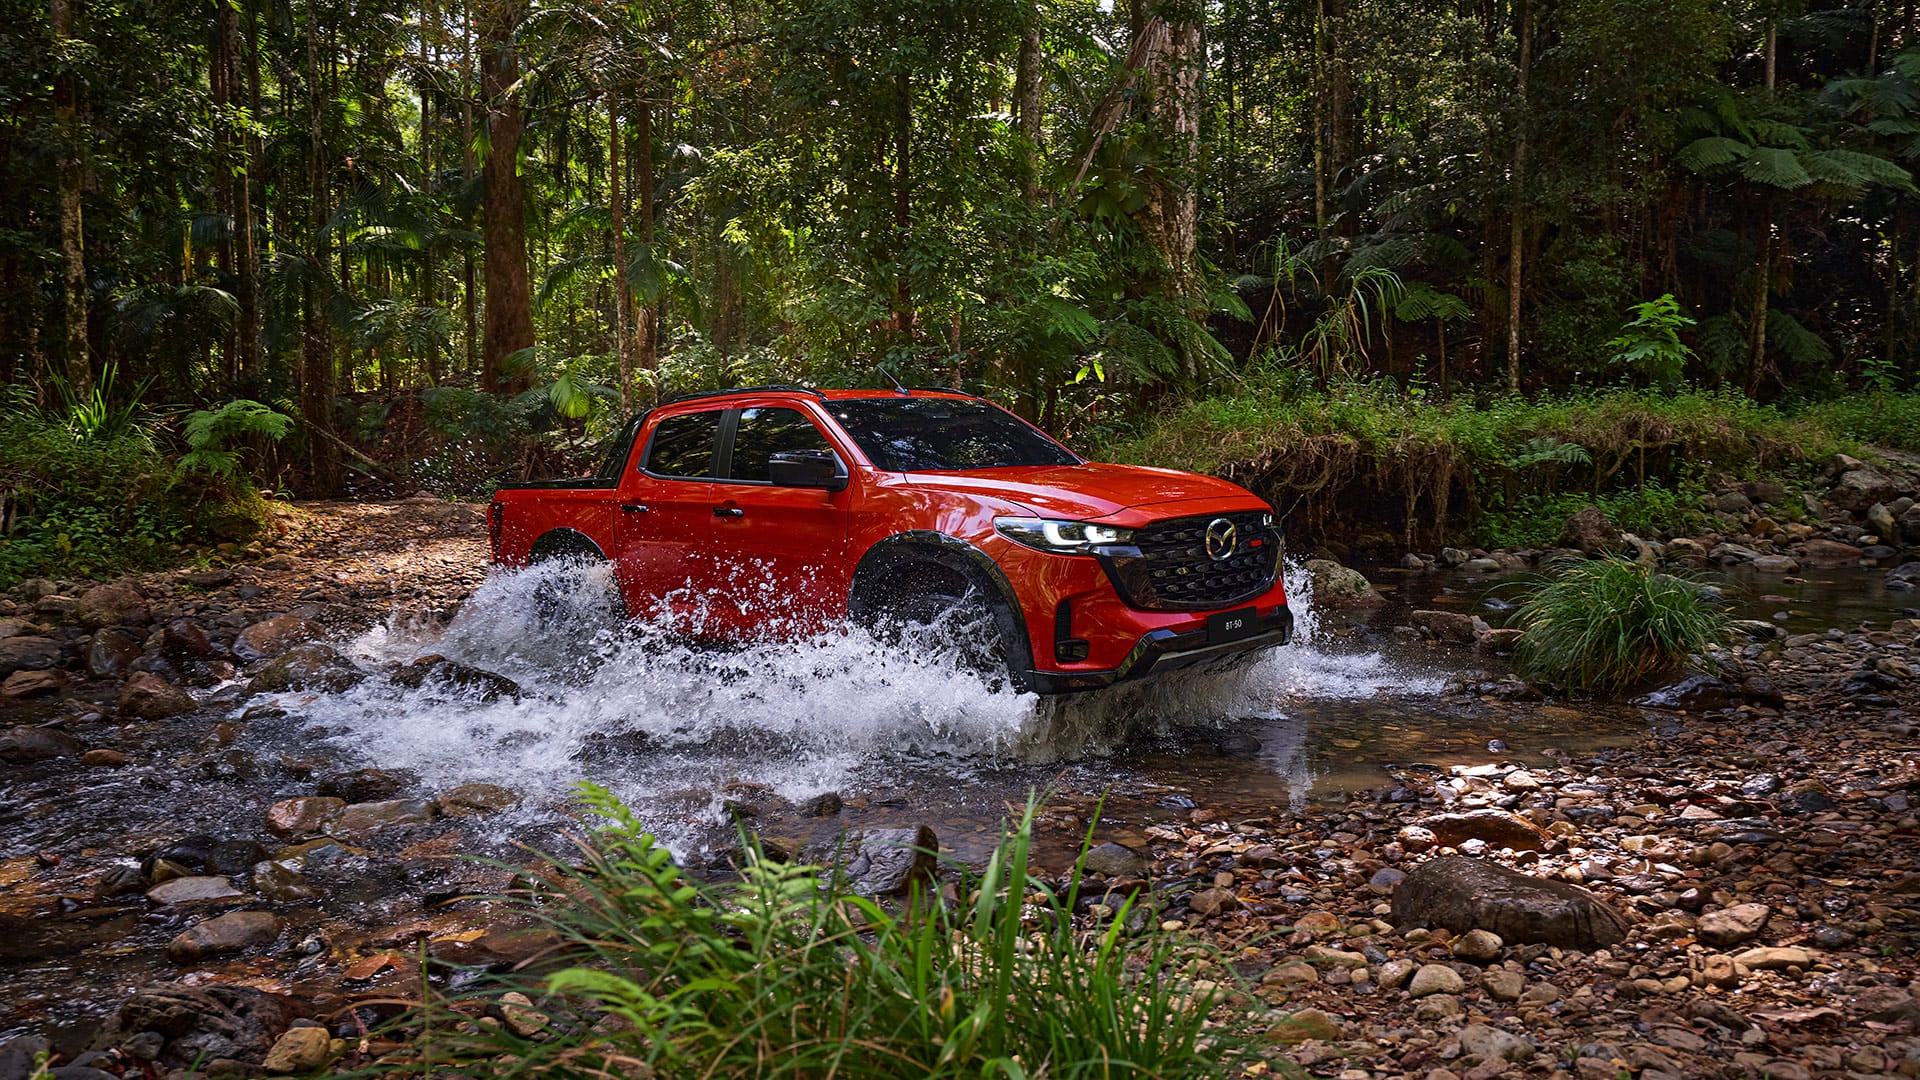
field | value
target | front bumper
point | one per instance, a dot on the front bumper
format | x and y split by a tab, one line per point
1169	650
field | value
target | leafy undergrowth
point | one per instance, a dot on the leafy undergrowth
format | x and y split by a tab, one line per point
1609	626
786	973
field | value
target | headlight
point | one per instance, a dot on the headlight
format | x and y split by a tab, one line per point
1060	537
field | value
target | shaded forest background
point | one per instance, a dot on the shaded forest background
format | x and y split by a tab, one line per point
453	240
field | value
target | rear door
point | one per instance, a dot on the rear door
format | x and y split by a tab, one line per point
780	552
665	518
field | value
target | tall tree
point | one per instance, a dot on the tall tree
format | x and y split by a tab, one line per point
509	292
75	366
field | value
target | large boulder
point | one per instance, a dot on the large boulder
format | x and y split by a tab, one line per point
111	605
111	652
1464	894
1858	488
885	862
1828	553
36	744
453	675
1590	531
230	933
307	667
271	637
1336	586
1497	828
1695	693
27	652
202	1023
1454	626
150	697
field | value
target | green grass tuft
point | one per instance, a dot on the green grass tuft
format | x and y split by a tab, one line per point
786	974
1610	625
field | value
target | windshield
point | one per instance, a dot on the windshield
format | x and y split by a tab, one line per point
939	434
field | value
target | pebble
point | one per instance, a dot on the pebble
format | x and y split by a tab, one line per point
1435	979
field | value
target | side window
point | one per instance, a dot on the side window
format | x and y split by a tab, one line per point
765	432
683	445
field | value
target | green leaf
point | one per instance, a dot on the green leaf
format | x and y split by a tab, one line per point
1775	167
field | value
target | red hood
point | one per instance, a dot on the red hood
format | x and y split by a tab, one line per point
1087	492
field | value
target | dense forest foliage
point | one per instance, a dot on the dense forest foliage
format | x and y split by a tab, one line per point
400	220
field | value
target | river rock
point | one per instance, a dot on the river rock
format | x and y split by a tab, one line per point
1860	487
281	883
1732	553
1450	626
1497	827
1114	860
1503	985
229	933
19	744
1463	894
307	667
1590	531
202	1023
1501	641
1828	553
1882	523
104	758
884	862
27	652
1906	574
468	800
1742	922
193	890
1336	586
1767	958
1304	1026
1694	693
1209	902
271	637
150	697
299	1050
358	819
111	605
1493	1044
303	816
1776	564
111	652
1435	979
27	684
482	684
182	639
1478	946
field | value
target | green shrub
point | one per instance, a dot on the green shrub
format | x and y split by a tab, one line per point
1610	625
1534	520
1881	419
785	974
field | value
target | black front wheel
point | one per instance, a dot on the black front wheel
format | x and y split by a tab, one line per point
940	615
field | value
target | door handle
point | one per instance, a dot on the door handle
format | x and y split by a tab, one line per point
633	508
728	511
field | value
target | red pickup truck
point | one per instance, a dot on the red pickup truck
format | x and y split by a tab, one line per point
777	512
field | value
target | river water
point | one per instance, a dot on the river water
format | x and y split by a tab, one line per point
678	732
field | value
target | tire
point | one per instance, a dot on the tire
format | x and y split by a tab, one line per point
559	598
940	614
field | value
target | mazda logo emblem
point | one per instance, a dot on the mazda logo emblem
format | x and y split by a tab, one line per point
1223	539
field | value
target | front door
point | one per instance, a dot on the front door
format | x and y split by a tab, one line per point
780	552
665	518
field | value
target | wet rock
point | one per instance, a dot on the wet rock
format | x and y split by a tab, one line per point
1695	693
1881	522
194	890
201	1024
1907	574
1501	641
150	697
105	759
10	627
1503	985
1776	564
269	638
1590	531
1732	553
1860	487
299	1050
1435	979
472	799
885	862
825	804
36	744
112	651
1742	922
182	639
1337	586
1245	746
358	819
1114	860
28	653
1828	553
1452	626
1479	946
112	604
1767	958
233	932
307	667
1493	1044
30	684
485	685
368	785
282	883
1463	894
1451	557
1304	1026
1496	827
1209	902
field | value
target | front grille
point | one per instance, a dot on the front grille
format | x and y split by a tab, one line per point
1175	571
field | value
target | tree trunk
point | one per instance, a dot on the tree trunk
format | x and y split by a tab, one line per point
74	365
622	293
317	380
1517	230
246	262
902	206
1757	309
1170	218
220	77
1026	105
1320	50
503	226
647	318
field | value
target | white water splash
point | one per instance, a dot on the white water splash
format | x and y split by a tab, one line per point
668	724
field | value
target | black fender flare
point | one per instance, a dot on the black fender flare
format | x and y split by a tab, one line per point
953	553
558	543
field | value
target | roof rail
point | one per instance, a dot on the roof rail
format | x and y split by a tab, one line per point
943	390
745	390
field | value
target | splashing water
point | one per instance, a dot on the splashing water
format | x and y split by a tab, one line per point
666	723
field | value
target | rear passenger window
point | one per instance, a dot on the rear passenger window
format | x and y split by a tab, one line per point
765	432
683	445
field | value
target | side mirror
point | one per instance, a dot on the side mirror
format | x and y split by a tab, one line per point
806	469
